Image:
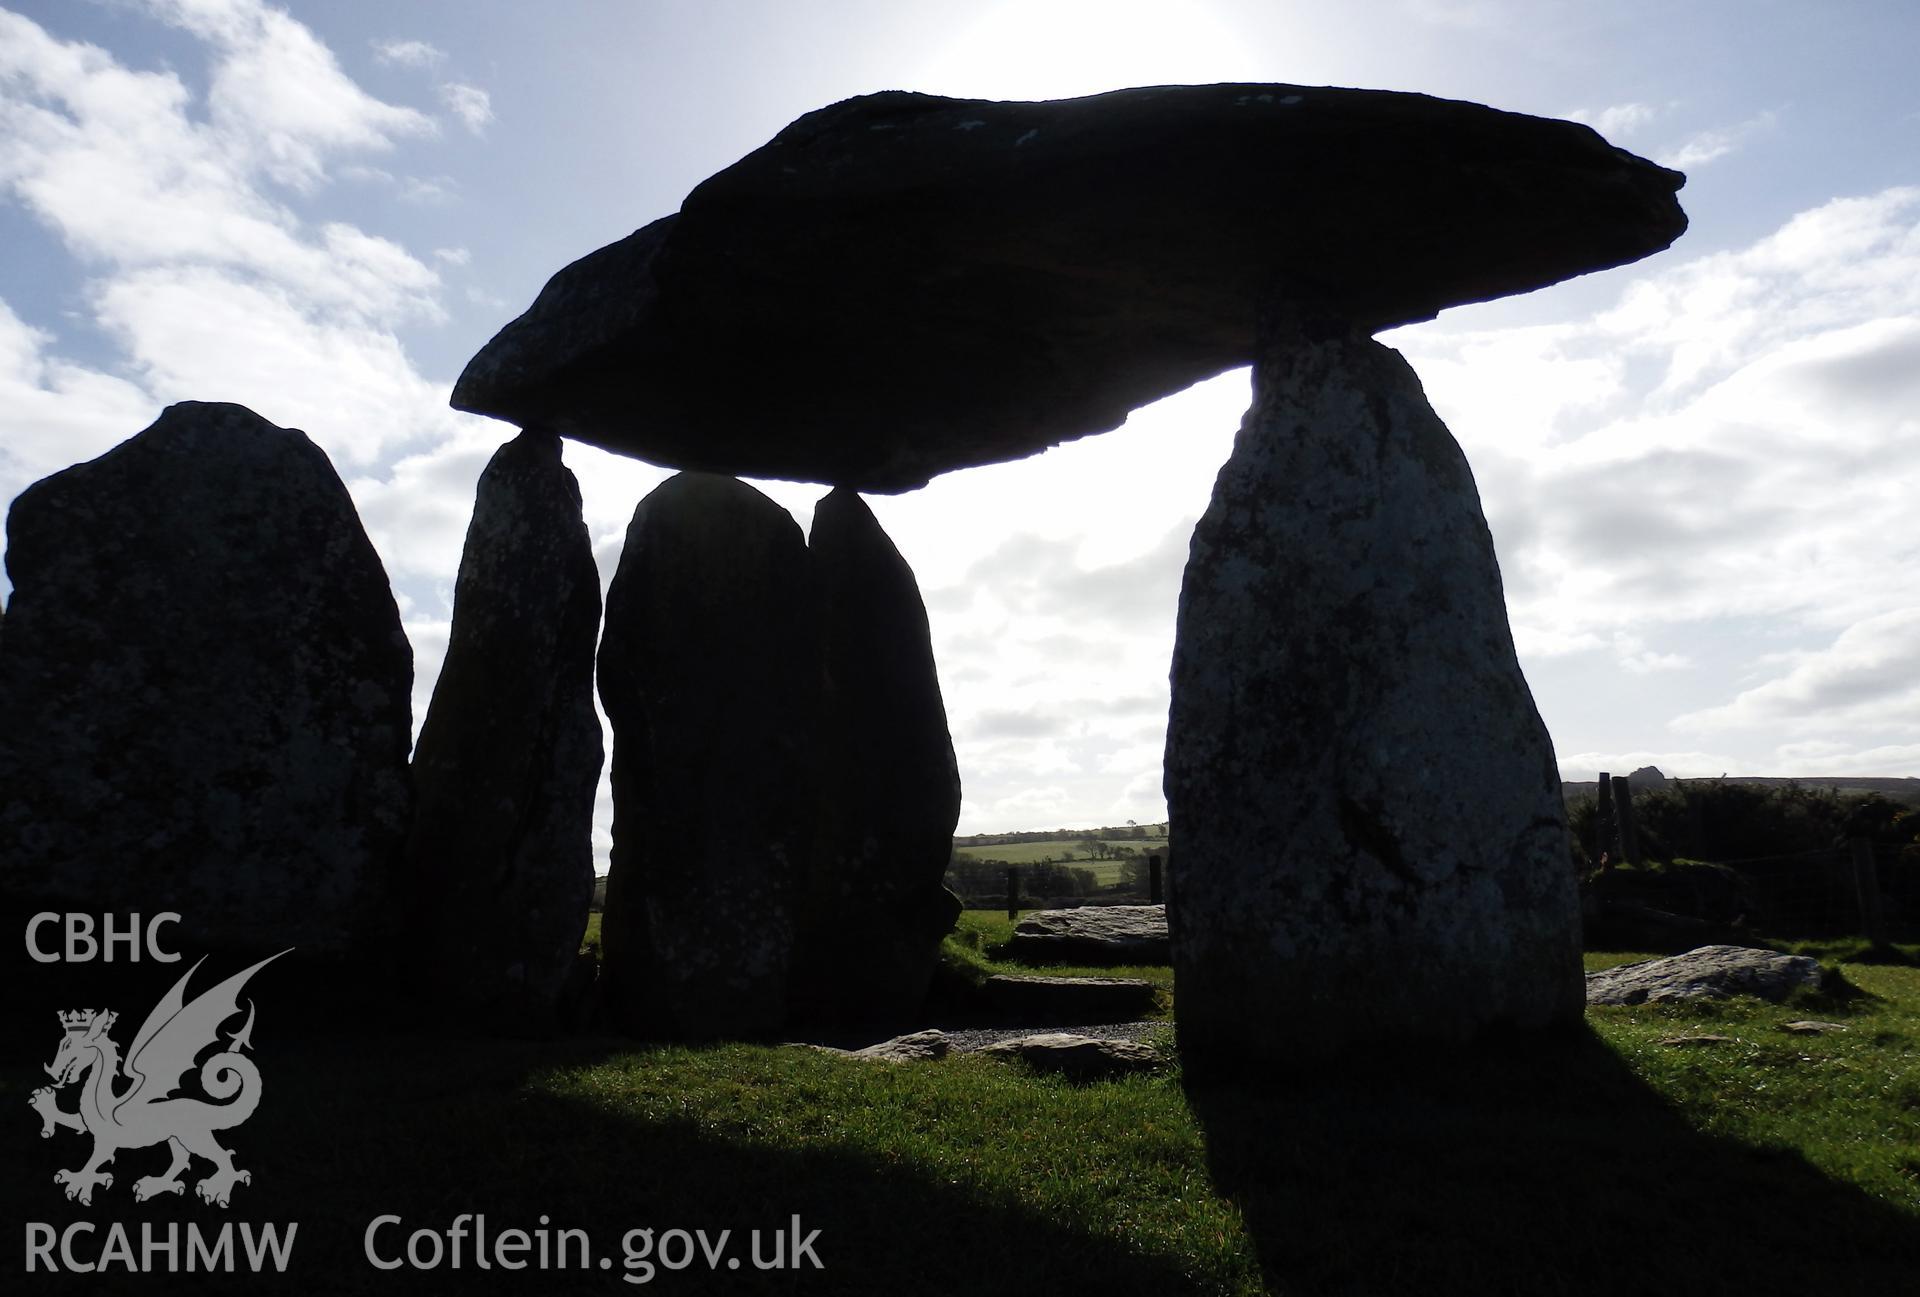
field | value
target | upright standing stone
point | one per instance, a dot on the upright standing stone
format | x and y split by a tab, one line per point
890	789
501	854
709	671
1372	840
204	702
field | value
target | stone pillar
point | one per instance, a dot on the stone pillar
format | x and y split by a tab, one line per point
890	788
1373	845
500	859
709	671
205	696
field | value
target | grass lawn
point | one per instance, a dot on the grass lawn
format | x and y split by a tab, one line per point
1025	853
1600	1163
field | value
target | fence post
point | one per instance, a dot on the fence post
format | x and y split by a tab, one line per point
1604	844
1866	889
1154	893
1013	893
1623	814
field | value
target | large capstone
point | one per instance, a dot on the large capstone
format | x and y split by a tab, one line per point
1373	846
889	785
204	700
500	860
920	284
709	671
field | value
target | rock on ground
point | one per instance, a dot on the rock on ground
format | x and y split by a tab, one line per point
500	858
1079	1058
889	785
1708	973
919	284
205	695
918	1047
1093	934
710	677
1372	840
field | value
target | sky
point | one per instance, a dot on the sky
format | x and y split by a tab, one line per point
1702	472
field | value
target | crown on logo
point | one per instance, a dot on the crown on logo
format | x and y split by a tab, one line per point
78	1020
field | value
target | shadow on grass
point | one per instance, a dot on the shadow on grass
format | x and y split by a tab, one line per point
1859	951
1537	1168
429	1130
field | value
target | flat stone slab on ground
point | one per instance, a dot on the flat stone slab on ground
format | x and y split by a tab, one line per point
1081	1058
1062	1001
1708	973
1810	1028
1094	934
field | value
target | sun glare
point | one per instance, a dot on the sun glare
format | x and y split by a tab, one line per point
1053	49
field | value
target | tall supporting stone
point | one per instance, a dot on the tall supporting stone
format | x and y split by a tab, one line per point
204	700
1373	845
709	671
500	858
890	788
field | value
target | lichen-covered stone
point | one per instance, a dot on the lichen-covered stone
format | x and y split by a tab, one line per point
1372	841
500	858
919	283
889	784
1708	973
709	671
1093	934
204	700
1078	1058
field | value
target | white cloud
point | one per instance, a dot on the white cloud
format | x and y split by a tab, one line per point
278	93
1728	444
114	161
453	256
1726	441
194	333
54	413
1633	655
428	191
407	53
1864	681
182	206
1702	147
470	104
1618	119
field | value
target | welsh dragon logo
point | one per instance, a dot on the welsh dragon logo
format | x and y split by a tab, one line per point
147	1111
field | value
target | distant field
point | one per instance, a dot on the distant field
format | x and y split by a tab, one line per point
1029	853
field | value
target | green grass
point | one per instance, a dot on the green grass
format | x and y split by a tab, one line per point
1604	1163
1848	1102
1025	853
